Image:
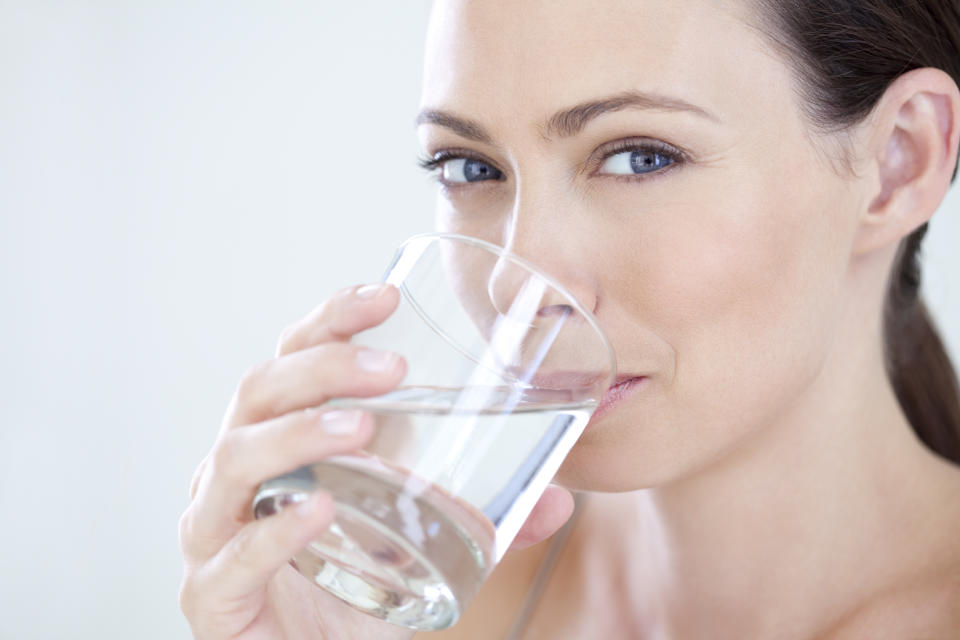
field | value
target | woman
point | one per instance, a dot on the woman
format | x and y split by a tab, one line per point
738	190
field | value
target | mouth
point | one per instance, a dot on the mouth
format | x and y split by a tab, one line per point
623	386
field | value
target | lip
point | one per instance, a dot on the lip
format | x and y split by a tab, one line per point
567	379
622	387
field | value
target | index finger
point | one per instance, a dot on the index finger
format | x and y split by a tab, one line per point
347	312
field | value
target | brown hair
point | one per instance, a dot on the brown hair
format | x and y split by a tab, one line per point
845	53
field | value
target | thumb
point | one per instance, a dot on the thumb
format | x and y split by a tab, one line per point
551	512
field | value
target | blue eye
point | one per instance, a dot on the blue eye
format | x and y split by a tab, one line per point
459	170
636	162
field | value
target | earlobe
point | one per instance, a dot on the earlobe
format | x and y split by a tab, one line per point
915	137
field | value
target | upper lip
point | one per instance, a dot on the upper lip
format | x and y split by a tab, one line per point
567	379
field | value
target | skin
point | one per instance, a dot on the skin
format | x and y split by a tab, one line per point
767	448
763	482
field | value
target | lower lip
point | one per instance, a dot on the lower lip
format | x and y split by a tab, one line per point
615	395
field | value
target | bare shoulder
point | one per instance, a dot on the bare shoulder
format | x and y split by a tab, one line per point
933	612
929	608
925	601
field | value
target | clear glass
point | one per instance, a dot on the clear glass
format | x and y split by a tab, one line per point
505	368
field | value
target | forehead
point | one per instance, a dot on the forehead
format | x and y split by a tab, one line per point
539	55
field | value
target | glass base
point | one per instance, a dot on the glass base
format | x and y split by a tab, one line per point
399	548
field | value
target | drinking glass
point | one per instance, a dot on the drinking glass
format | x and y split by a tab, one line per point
504	369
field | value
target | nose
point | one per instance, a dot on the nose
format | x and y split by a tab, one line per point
539	335
524	296
545	232
548	229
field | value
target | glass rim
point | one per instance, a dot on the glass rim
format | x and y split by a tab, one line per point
529	266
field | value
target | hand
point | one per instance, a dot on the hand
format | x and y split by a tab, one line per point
237	581
551	512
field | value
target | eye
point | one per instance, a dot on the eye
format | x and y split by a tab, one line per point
637	160
469	170
456	169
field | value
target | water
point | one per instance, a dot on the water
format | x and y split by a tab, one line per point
431	505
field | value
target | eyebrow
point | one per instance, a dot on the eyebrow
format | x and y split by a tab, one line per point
569	122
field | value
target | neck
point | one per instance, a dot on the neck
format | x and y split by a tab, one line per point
796	527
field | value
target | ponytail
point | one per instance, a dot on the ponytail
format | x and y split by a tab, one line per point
845	54
919	368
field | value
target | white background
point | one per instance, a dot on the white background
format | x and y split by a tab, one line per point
179	181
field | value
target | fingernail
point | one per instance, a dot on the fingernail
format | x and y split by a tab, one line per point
376	361
341	423
370	291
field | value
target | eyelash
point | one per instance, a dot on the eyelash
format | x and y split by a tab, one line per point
677	156
434	164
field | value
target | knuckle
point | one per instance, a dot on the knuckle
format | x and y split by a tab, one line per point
341	353
286	341
324	316
304	424
245	405
186	535
338	364
322	357
305	431
187	596
197	475
344	293
244	546
183	529
250	381
323	311
223	458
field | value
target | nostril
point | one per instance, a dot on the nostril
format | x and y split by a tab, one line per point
555	310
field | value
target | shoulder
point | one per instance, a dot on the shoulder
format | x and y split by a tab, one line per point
928	608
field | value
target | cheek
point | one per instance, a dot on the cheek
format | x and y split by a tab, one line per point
744	287
481	214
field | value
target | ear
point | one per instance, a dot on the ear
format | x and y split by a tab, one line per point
913	138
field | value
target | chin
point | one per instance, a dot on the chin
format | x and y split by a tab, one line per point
627	448
618	455
622	456
599	466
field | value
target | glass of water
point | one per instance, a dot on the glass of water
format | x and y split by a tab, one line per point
504	369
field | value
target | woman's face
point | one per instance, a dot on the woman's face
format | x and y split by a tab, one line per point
652	156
